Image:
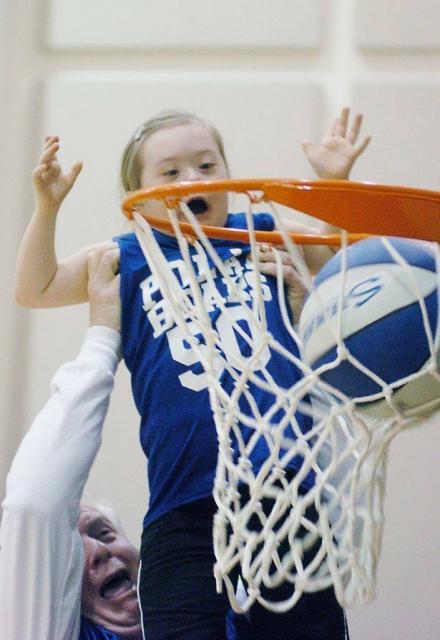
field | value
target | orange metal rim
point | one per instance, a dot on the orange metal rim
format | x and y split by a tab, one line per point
266	189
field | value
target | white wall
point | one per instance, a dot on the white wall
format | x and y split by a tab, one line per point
269	73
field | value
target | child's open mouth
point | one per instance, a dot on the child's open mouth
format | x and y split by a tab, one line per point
198	205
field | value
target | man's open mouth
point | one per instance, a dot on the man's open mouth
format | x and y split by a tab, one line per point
116	584
198	205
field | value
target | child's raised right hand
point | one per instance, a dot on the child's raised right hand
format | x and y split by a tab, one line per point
50	183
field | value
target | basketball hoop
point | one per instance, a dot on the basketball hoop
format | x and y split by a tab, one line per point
345	447
357	207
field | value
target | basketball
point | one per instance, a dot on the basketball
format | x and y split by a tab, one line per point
371	323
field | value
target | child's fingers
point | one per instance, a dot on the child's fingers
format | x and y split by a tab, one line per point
74	172
339	124
362	146
342	122
49	140
39	174
43	173
267	254
268	263
355	128
49	155
306	145
289	273
332	129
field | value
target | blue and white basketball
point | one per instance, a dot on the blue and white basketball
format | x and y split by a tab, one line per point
370	325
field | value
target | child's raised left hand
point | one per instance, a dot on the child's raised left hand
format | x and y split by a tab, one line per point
334	157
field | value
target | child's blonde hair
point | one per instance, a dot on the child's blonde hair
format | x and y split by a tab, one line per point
131	165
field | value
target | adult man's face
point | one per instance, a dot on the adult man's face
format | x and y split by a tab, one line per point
109	596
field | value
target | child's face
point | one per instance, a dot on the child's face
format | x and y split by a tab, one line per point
185	152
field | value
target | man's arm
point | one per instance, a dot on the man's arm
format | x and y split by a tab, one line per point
41	557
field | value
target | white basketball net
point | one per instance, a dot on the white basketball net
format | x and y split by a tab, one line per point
346	448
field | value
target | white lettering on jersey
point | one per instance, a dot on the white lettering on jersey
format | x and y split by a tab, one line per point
233	324
161	317
190	351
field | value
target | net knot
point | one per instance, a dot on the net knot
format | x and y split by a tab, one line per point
387	393
258	508
244	463
343	352
302	446
278	473
432	366
233	494
253	591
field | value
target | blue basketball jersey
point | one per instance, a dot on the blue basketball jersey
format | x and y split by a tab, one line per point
89	631
169	385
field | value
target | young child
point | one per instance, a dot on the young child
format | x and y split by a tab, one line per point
177	588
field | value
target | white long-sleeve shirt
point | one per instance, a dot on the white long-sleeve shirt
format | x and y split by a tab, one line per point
41	552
